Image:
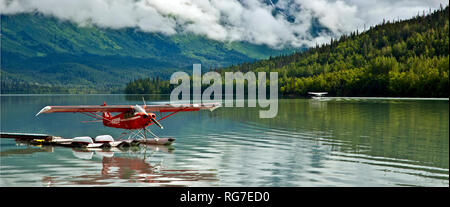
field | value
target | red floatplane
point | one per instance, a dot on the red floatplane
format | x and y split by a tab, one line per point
135	119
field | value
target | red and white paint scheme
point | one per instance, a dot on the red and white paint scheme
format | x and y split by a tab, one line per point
130	117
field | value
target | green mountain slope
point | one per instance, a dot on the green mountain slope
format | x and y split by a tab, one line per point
404	58
43	51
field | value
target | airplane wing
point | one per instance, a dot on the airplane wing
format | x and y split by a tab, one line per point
87	108
126	108
318	93
181	107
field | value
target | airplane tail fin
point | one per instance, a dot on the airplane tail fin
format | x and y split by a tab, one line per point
106	115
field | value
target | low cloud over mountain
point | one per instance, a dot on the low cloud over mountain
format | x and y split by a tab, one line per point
274	23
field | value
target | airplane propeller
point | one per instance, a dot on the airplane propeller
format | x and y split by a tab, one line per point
142	109
156	122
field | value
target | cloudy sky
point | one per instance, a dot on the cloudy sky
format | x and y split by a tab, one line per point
274	23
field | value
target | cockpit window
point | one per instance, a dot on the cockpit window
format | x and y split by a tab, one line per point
127	115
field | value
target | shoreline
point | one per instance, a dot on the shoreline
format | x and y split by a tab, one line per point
281	97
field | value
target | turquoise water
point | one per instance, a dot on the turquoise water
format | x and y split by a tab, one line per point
329	142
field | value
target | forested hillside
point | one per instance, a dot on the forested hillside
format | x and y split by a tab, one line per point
404	58
408	58
42	54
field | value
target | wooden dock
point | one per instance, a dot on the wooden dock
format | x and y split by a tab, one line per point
25	136
45	139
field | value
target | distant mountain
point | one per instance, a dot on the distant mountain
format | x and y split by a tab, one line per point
41	54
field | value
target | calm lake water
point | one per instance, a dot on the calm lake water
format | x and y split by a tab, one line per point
333	142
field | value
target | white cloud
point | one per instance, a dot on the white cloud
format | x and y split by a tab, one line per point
228	20
337	16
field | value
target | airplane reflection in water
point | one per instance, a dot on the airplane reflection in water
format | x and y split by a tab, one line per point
120	166
132	166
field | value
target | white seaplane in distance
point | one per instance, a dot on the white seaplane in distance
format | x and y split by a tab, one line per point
317	95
